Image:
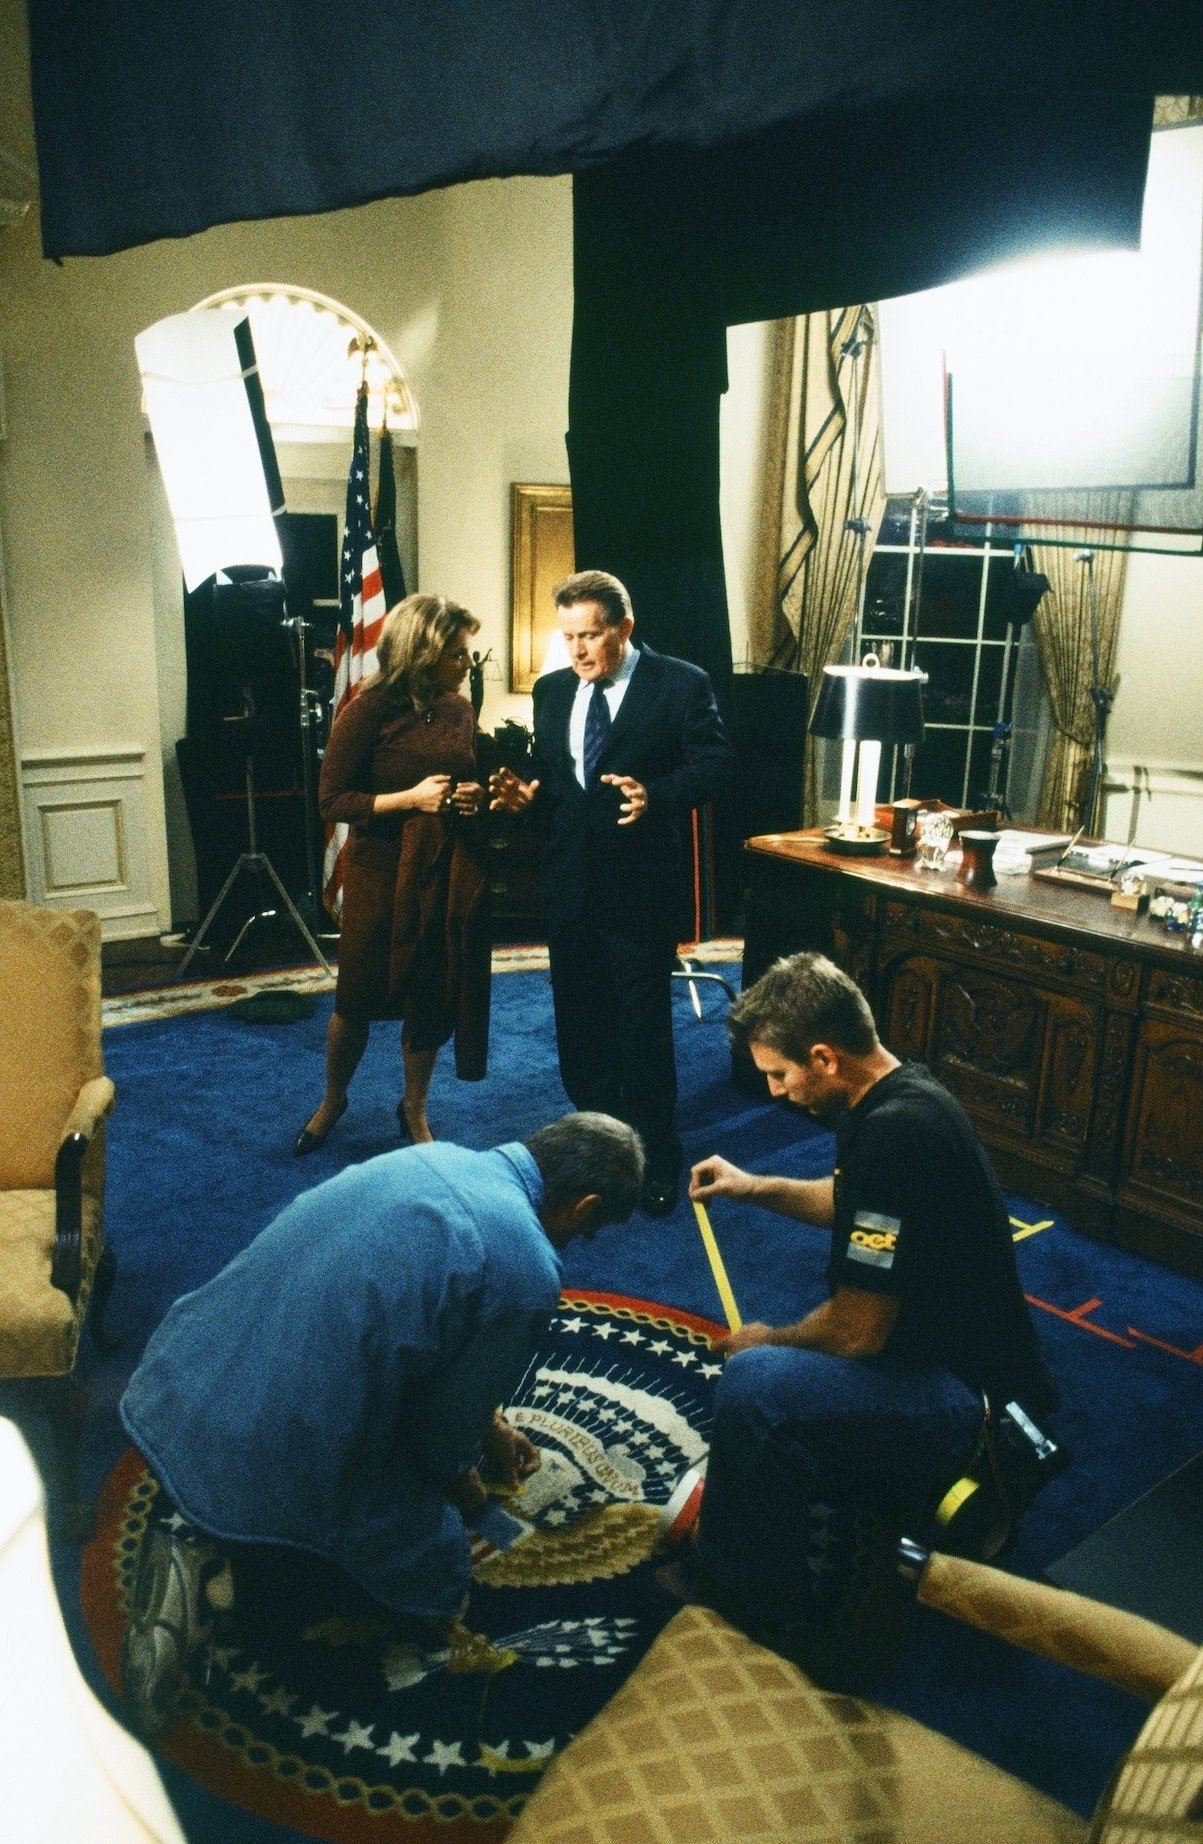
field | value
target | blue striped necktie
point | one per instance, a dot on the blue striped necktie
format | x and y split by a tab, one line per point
597	728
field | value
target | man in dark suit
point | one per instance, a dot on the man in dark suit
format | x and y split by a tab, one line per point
627	741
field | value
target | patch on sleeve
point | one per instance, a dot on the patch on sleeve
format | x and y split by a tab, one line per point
874	1239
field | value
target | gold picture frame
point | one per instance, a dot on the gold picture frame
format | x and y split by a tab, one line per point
541	555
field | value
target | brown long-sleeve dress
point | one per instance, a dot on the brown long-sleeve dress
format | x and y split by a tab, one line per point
415	940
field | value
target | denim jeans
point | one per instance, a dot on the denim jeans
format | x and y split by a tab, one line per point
800	1439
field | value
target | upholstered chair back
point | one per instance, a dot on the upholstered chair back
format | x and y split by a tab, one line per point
49	1038
1157	1796
714	1738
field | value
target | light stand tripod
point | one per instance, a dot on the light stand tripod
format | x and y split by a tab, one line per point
995	798
1020	599
1102	698
308	708
255	862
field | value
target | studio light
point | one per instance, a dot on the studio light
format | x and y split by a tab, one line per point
204	402
1028	392
205	407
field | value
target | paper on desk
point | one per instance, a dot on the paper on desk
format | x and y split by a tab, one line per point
1013	853
1010	841
1014	850
1106	859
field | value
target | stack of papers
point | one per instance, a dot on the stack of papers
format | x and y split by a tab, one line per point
1017	851
1012	843
1106	860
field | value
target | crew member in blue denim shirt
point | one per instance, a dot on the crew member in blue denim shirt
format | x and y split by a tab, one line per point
335	1389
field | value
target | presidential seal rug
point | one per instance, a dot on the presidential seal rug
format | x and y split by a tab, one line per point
348	1728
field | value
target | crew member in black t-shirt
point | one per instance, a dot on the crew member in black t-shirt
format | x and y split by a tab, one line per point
876	1396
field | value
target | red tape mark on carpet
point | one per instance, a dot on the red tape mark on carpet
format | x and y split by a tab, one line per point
1146	1338
1078	1317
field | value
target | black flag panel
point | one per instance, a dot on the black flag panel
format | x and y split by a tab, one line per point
385	520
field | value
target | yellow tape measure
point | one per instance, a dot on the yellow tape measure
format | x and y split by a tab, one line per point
716	1267
956	1496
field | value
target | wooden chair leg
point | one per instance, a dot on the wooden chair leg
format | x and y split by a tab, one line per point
102	1288
70	1518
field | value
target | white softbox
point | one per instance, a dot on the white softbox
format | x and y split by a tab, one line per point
204	403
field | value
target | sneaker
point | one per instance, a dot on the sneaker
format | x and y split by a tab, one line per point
165	1625
679	1517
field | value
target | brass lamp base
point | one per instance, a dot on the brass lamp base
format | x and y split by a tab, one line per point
856	840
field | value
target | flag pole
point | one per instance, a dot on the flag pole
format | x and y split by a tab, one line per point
362	610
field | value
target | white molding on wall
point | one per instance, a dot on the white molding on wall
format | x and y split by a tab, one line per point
85	834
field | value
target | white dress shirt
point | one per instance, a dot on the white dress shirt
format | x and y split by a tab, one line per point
614	694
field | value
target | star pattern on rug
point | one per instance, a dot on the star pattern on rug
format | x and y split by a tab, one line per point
351	1711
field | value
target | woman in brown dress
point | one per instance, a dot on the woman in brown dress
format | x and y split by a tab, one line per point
400	770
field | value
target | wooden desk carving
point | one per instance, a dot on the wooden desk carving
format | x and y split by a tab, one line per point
1071	1031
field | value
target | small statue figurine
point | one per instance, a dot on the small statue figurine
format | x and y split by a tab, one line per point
476	679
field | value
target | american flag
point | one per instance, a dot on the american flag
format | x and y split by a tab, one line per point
361	617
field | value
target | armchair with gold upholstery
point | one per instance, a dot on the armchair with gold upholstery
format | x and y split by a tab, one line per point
54	1099
713	1739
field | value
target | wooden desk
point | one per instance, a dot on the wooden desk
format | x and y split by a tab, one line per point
1072	1032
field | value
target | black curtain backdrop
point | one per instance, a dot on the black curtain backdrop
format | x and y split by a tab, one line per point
157	118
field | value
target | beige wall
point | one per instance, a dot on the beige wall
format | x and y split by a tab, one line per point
743	433
1158	716
1155	734
471	289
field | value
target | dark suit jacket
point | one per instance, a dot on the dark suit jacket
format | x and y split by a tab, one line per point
669	736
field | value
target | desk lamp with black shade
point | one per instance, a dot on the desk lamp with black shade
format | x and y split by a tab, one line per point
865	707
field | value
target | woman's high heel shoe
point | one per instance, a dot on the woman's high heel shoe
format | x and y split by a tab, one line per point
307	1142
403	1127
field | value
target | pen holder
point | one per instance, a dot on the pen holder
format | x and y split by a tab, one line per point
977	860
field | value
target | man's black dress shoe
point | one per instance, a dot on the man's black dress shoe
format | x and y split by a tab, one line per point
307	1142
659	1195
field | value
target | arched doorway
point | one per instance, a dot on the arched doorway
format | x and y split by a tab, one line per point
313	353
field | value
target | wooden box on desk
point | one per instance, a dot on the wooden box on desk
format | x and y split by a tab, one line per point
964	819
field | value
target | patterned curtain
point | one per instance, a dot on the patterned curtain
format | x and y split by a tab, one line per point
823	497
12	868
1177	111
1066	649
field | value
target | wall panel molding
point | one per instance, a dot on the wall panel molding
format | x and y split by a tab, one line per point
85	835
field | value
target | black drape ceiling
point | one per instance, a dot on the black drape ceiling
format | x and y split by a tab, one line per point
159	118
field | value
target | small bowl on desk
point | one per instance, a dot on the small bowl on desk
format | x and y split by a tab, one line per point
977	860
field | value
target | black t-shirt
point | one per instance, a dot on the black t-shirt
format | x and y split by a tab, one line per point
919	1216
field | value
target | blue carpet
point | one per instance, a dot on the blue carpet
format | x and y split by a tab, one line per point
200	1159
